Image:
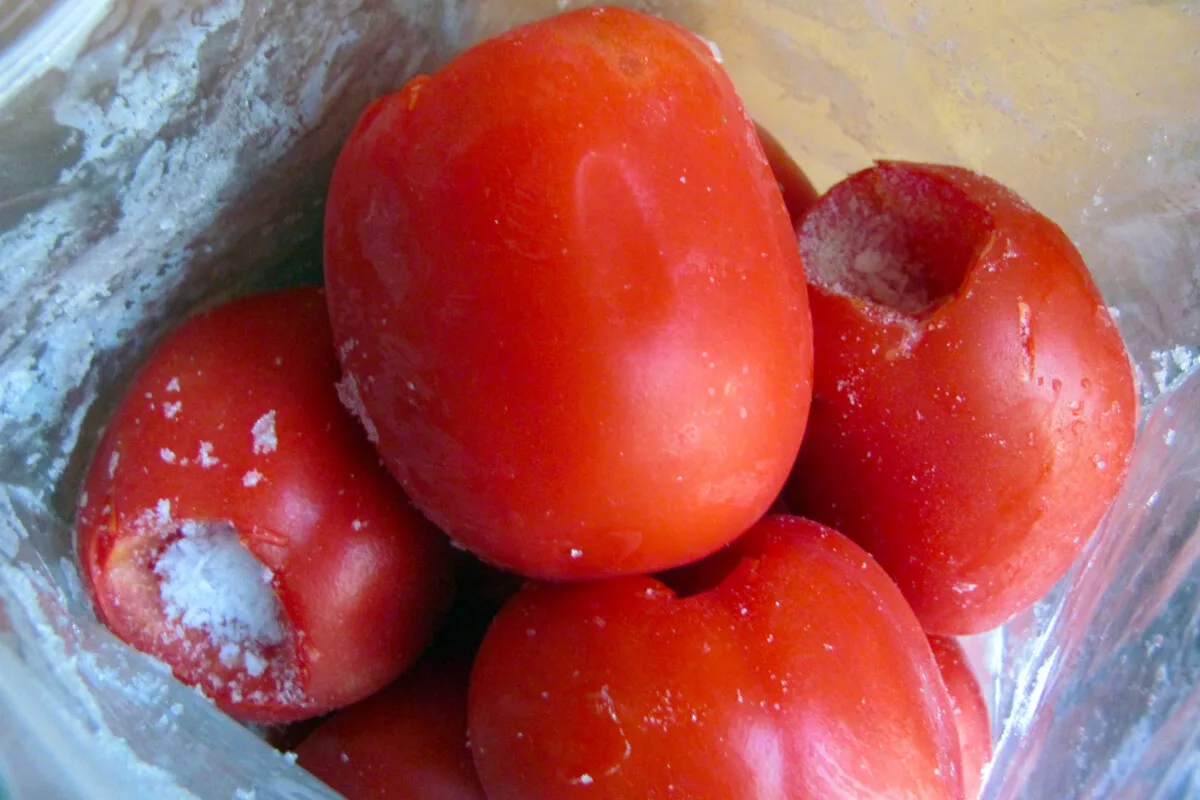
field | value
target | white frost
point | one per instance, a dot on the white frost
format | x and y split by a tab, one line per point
205	457
264	434
712	48
212	583
347	390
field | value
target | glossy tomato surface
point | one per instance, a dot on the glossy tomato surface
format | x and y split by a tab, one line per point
804	674
236	523
568	301
407	742
974	408
970	711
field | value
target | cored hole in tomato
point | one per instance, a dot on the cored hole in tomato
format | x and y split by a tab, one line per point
896	236
209	582
191	594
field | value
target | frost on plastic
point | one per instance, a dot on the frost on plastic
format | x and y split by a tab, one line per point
183	152
186	151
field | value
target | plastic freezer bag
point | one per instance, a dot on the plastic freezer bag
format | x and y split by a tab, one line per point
159	155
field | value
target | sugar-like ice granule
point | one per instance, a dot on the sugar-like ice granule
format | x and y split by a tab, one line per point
205	457
264	434
211	582
255	666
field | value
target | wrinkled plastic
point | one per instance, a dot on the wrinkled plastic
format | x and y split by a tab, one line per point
158	155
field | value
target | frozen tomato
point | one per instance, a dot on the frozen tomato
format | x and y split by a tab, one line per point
568	300
970	711
803	674
407	742
974	407
236	524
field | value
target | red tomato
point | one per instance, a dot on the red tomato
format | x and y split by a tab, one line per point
803	675
974	408
236	524
408	742
970	711
567	293
797	190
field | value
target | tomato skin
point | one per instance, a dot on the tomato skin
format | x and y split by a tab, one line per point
540	264
803	675
972	445
799	195
970	711
361	578
408	741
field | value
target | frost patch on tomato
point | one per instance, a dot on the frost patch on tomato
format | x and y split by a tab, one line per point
221	622
348	393
900	240
205	457
263	431
212	583
714	49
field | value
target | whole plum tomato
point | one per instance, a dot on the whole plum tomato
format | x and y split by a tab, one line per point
974	408
568	301
970	711
803	674
236	523
408	741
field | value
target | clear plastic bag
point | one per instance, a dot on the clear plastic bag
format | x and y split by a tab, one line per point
158	155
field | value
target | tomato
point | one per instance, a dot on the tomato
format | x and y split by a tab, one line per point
797	190
236	524
568	301
970	711
804	674
408	742
974	407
